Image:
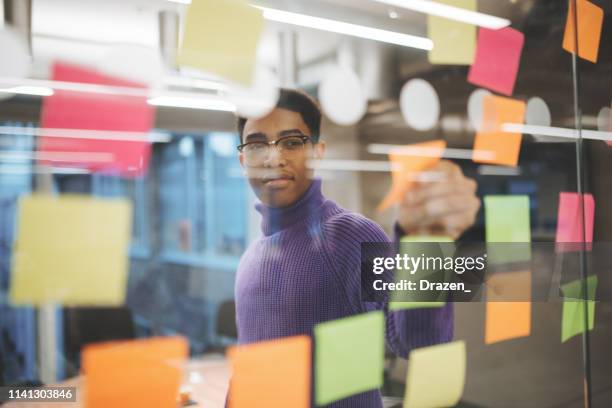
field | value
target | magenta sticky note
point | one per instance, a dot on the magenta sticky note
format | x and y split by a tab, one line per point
498	55
122	148
569	222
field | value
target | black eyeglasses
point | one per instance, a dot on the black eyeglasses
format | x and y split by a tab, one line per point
257	152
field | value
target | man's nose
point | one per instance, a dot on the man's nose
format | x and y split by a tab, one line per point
275	157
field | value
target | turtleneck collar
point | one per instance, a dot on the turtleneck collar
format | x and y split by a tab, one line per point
275	219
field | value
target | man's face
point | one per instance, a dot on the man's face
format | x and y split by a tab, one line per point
279	176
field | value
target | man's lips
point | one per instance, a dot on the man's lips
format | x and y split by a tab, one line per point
277	180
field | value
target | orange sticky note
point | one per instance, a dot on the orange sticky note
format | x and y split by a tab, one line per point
408	161
271	374
507	315
493	145
590	20
143	373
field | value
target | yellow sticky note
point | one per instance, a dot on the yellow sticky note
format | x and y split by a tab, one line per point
221	38
454	42
590	21
436	376
71	250
508	312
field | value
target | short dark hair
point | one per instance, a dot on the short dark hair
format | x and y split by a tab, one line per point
299	102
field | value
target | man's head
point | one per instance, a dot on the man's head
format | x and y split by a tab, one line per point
279	173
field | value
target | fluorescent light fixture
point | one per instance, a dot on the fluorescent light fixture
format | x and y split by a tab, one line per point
29	90
556	132
153	137
180	1
192	103
450	12
449	152
340	27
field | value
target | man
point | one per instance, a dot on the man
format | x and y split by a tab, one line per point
306	267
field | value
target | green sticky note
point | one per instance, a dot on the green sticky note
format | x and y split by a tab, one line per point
436	376
573	321
221	38
349	356
394	306
412	244
454	42
507	221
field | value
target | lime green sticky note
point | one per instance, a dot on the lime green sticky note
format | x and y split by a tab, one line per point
507	221
221	38
71	250
454	42
446	249
436	376
349	356
573	320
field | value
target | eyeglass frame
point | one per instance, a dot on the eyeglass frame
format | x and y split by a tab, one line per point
275	143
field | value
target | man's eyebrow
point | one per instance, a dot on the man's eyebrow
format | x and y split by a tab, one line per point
290	132
258	135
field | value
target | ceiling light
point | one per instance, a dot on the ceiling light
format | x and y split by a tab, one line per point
450	12
192	103
341	27
29	90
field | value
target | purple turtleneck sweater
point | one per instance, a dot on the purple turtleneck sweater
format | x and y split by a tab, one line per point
305	270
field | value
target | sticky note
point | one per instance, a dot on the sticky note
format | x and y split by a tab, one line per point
71	250
407	162
349	356
447	249
507	221
122	148
144	373
573	320
271	374
436	376
497	60
507	218
590	21
454	42
508	307
221	38
492	144
572	212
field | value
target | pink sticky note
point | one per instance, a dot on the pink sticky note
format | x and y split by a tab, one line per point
569	221
498	54
124	151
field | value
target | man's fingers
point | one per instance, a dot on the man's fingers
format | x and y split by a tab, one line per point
441	206
426	192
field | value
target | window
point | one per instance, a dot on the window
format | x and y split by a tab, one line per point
202	199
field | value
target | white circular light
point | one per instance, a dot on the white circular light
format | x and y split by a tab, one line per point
537	112
420	104
342	97
475	107
134	63
258	99
15	57
603	119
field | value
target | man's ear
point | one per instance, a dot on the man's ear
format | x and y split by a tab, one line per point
319	150
241	159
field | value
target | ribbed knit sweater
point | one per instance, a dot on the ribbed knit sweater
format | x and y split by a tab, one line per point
305	270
